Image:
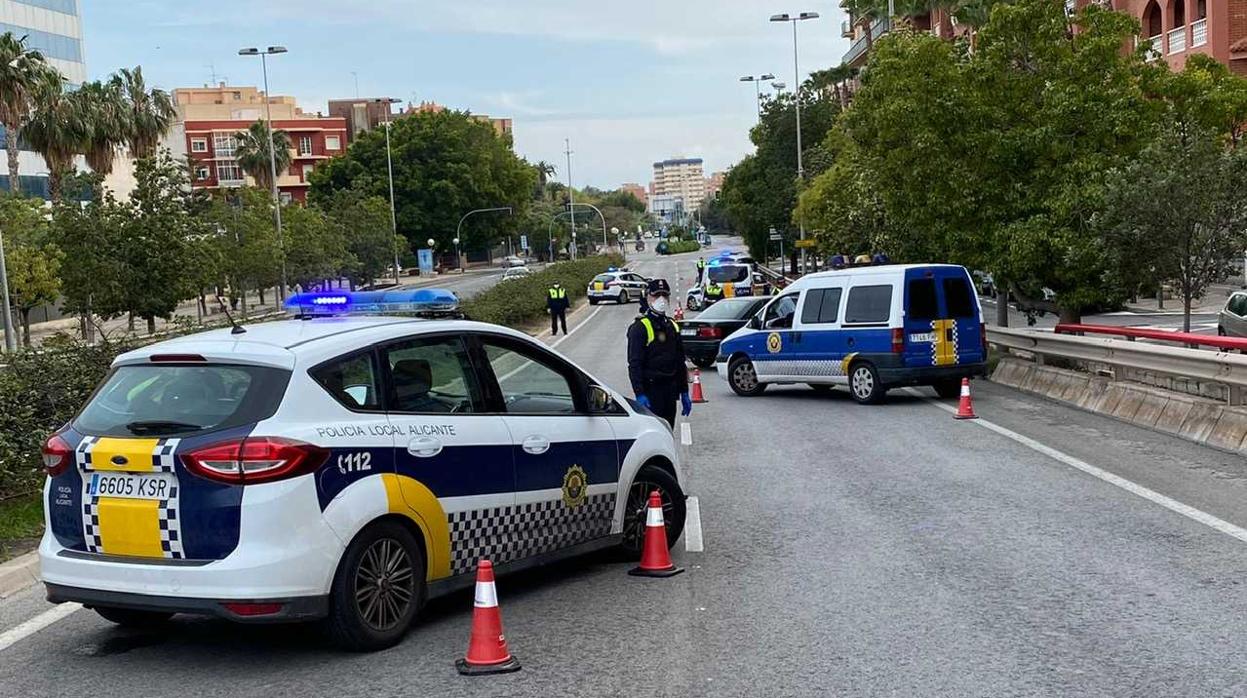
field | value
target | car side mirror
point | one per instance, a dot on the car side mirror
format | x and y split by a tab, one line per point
599	399
755	323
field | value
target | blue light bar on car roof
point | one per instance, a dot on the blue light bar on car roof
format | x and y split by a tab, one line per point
424	302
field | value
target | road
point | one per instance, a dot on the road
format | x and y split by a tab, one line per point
848	550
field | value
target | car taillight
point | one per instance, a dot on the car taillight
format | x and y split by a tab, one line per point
241	608
57	455
709	332
255	459
898	340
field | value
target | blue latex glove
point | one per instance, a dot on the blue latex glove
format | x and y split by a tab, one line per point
644	401
686	404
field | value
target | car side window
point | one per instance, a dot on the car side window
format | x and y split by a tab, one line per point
530	384
822	305
780	312
869	305
432	375
351	380
1237	304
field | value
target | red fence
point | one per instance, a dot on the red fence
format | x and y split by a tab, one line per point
1132	333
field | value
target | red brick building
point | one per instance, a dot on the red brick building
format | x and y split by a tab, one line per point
210	147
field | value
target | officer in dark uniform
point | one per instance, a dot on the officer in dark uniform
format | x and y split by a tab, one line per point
656	361
556	303
701	266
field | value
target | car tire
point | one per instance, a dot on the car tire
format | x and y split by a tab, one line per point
1220	331
623	298
948	390
742	377
820	387
358	626
648	479
593	301
132	618
864	384
703	363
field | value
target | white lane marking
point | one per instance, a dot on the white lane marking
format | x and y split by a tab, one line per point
14	635
578	325
1173	505
692	526
686	434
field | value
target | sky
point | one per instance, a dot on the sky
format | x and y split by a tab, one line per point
629	83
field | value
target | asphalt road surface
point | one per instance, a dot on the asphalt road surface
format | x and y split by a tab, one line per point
847	550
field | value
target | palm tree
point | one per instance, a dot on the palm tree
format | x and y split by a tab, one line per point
544	171
20	71
252	153
150	113
102	108
56	129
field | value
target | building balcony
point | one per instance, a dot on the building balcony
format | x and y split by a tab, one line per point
846	29
1158	47
858	49
1199	32
1177	40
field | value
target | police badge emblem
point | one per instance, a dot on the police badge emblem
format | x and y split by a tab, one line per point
575	487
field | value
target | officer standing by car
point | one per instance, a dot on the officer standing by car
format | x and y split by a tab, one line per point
701	267
556	303
713	292
656	361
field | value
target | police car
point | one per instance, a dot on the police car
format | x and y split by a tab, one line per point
619	285
340	467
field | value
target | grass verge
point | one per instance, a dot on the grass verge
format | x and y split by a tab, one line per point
21	524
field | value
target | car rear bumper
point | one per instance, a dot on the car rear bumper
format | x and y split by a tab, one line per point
695	349
289	609
925	375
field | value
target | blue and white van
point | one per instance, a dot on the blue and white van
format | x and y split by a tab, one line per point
870	328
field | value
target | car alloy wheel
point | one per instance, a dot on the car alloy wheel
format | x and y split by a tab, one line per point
385	584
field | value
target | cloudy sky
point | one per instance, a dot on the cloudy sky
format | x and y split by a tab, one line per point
629	83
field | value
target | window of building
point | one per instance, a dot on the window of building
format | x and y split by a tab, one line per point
1201	9
1179	12
228	172
202	173
224	144
305	145
286	197
199	145
333	143
307	172
1152	25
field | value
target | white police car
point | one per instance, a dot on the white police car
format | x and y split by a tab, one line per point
619	285
341	468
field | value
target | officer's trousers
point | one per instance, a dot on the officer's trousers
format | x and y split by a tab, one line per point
556	317
663	397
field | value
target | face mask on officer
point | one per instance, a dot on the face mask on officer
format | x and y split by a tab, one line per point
658	304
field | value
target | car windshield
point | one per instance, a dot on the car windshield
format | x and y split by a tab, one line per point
156	400
728	274
730	309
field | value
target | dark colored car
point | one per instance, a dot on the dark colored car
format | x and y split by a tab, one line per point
703	333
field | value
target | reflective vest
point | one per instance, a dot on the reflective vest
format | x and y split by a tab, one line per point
713	290
701	264
649	329
558	293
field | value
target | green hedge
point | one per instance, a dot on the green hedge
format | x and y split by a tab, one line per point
680	246
521	301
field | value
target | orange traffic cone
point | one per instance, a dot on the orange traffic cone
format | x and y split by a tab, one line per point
487	647
678	314
966	409
655	558
697	394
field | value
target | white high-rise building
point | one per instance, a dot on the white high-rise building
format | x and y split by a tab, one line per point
54	28
681	178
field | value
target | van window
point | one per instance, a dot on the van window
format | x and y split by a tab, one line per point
780	312
958	298
923	305
821	305
869	304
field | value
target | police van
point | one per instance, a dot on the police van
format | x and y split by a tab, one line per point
341	467
869	328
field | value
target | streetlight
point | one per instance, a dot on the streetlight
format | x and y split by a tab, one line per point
272	156
796	87
779	86
458	261
572	208
389	166
757	89
458	257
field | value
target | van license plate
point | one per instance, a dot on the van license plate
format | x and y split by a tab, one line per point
922	337
129	485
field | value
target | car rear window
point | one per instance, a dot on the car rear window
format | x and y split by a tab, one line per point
728	274
604	278
923	305
869	305
958	298
179	400
729	309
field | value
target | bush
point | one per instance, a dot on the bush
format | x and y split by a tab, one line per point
679	246
520	301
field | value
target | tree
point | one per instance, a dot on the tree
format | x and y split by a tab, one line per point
149	113
32	260
315	249
246	241
57	129
544	172
104	119
445	165
363	222
21	69
253	153
92	237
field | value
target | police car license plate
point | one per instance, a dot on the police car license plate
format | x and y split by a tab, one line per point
927	337
129	485
688	332
598	286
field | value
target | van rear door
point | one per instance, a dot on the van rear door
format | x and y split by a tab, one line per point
963	321
941	318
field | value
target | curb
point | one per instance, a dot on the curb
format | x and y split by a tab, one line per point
19	574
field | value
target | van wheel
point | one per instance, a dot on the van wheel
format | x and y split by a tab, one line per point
593	301
648	479
948	390
378	589
864	384
133	618
743	378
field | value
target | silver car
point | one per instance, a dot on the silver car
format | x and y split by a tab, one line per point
1232	320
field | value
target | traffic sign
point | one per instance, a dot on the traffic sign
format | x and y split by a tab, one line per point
523	242
776	237
808	242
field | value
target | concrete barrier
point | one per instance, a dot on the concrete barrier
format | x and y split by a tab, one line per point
1230	429
1175	413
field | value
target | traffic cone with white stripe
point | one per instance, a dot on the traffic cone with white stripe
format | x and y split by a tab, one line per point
678	314
655	557
966	409
487	646
697	394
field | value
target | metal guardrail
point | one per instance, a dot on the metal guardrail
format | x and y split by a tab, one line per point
1220	367
1189	339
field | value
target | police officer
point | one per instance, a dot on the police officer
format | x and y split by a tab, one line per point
713	292
556	303
656	361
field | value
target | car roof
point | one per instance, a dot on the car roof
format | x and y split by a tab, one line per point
882	270
279	343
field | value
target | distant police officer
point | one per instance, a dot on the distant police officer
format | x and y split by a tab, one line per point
556	303
656	362
713	292
701	266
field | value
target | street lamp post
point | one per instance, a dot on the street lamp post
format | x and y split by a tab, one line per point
459	227
757	89
796	88
458	256
272	156
389	166
595	208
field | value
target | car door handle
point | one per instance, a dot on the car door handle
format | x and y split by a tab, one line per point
536	445
424	447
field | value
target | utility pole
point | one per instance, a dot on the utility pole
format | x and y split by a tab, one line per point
571	193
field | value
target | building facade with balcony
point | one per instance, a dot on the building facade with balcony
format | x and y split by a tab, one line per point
683	178
211	148
363	114
1179	29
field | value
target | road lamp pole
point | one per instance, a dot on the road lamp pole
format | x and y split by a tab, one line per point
272	155
459	227
757	89
571	193
595	208
389	167
796	89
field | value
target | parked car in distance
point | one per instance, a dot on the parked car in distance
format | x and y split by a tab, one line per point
513	261
516	273
1232	320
